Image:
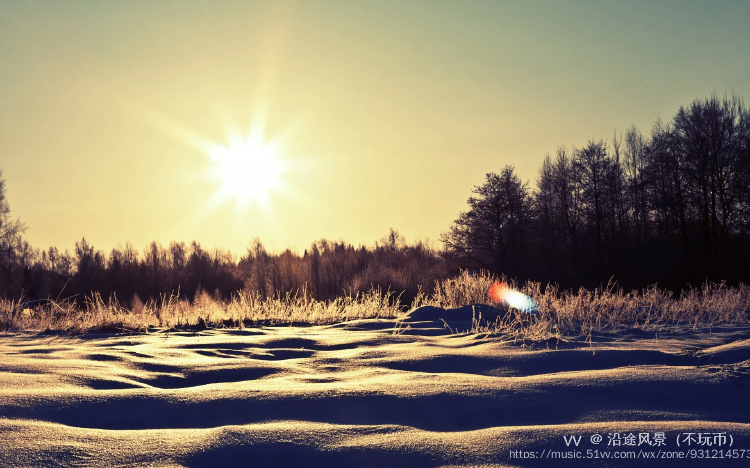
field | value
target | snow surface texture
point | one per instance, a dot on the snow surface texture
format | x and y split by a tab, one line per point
368	393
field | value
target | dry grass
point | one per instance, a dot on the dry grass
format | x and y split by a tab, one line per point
245	309
560	313
565	313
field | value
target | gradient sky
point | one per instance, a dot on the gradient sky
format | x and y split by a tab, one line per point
391	111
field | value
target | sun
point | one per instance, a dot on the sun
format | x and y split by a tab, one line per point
248	169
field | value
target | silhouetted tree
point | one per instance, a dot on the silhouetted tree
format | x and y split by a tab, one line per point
10	242
710	136
544	214
492	234
568	206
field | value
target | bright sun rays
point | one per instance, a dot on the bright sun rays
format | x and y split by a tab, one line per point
248	169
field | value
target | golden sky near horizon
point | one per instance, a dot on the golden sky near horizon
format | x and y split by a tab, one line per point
129	121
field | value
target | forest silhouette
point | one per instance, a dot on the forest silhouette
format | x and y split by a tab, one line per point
670	206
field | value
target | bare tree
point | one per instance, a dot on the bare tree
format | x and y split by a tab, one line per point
709	134
10	241
634	169
545	215
592	161
568	203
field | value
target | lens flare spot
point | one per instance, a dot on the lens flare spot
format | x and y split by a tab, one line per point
500	292
497	291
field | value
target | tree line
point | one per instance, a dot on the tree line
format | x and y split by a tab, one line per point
324	271
670	206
